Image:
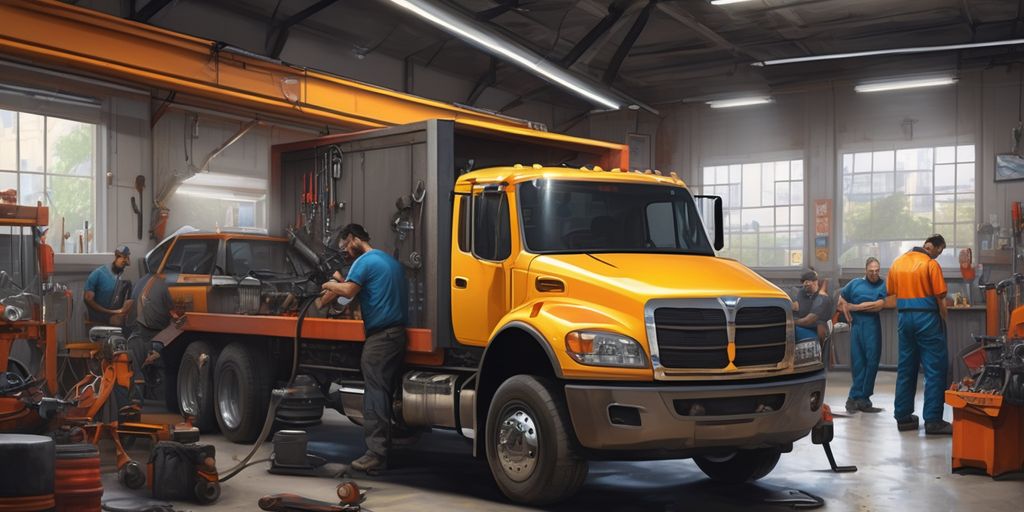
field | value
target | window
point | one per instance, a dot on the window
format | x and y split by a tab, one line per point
156	256
894	199
53	161
464	210
763	211
191	257
492	239
266	259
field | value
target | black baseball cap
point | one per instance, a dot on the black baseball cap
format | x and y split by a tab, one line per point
810	275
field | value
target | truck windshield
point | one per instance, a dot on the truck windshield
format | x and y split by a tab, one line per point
264	258
561	216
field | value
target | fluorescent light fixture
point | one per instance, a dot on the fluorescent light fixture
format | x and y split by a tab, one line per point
727	2
895	85
739	102
228	181
219	194
894	51
495	45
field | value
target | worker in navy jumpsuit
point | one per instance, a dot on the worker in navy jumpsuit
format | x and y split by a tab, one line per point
915	279
860	301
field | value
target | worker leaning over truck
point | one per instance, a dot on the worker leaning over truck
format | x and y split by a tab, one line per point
379	281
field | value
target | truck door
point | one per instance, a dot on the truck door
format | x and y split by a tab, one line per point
187	271
480	255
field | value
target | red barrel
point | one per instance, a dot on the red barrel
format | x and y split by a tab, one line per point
77	484
26	474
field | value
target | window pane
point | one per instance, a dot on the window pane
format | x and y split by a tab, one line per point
861	185
796	215
8	180
965	177
964	235
71	200
8	140
796	169
965	153
796	192
883	161
914	159
781	171
881	184
721	175
69	147
848	163
914	182
709	175
944	208
782	193
752	185
862	162
945	155
734	173
30	132
965	210
30	189
782	216
945	178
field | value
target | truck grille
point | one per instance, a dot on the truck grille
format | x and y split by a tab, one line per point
690	338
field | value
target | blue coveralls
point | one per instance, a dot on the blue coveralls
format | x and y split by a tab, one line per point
916	279
865	336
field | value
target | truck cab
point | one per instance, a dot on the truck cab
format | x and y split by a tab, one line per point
612	329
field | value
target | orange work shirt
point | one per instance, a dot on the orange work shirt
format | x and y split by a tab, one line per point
915	279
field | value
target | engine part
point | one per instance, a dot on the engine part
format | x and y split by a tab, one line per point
304	405
235	296
430	399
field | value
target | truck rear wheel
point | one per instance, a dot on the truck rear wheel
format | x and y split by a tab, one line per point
194	384
242	391
531	449
739	466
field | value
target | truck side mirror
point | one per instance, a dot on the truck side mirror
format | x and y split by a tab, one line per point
710	210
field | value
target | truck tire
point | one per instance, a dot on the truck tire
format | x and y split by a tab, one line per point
194	385
242	392
531	448
739	466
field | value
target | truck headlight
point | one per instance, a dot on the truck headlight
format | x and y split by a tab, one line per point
807	352
597	348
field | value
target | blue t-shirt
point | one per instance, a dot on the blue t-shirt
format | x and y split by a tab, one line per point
861	290
102	282
382	293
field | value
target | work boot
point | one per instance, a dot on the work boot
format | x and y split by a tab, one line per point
865	405
370	463
938	428
852	405
907	423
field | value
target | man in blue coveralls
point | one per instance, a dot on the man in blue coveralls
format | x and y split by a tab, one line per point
379	281
915	279
860	301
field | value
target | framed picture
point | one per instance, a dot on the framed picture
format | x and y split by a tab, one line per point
1009	167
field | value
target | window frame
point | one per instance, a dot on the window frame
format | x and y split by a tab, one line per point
948	271
502	192
96	178
806	241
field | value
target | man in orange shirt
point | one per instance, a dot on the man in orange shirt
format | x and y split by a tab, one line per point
915	280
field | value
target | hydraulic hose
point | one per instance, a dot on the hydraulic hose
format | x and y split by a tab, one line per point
277	396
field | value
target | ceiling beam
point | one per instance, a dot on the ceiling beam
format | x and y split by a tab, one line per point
686	19
486	80
615	11
151	9
277	36
502	7
622	51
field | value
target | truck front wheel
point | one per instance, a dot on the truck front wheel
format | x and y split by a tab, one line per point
739	466
531	449
242	391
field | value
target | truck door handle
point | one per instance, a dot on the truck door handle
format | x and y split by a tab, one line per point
461	282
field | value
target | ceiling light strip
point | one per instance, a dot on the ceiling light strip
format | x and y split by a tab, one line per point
494	45
896	85
739	102
894	51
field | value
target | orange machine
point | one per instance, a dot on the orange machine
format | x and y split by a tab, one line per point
986	433
21	319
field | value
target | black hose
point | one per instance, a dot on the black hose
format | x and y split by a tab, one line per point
277	396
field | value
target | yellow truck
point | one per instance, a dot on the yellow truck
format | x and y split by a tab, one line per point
558	314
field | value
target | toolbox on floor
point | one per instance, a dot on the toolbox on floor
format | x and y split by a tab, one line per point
987	433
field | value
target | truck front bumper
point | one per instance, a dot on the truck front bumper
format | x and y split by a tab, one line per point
696	418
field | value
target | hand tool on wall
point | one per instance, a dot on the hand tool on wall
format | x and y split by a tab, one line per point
140	185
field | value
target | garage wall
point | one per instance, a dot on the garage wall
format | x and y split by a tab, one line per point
824	121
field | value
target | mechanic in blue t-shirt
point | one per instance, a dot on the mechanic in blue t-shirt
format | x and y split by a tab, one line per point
105	290
379	281
860	301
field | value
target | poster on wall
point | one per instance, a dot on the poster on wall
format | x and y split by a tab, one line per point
822	228
1009	167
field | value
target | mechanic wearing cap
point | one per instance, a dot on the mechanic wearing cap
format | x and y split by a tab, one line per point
105	290
860	301
379	281
915	279
810	307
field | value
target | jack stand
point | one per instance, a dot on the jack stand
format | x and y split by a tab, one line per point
832	461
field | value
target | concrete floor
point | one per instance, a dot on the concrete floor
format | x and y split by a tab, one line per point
896	470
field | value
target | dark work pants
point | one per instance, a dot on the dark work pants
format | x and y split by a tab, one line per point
382	357
922	343
140	343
